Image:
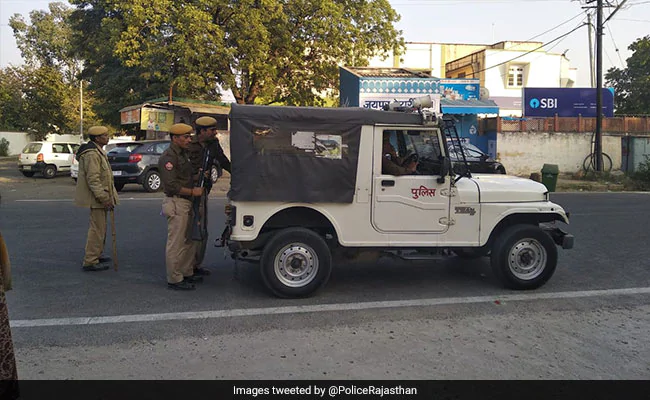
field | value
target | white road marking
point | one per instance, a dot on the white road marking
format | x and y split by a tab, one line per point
247	312
121	199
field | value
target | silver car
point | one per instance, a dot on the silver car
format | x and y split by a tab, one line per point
47	158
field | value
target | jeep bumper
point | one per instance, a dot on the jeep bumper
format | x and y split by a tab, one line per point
560	237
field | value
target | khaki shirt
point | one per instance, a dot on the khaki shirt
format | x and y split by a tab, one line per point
175	170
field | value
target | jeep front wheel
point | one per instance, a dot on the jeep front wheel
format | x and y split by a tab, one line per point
295	263
524	257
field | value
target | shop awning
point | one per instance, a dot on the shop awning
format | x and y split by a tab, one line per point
473	106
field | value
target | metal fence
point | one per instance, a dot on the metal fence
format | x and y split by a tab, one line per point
620	125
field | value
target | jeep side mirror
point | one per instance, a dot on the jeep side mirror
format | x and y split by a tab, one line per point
445	169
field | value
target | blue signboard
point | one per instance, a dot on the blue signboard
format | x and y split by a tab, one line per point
459	89
565	102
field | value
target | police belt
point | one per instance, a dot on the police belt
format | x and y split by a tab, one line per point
180	196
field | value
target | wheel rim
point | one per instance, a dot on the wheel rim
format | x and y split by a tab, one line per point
50	172
296	265
214	175
527	259
154	181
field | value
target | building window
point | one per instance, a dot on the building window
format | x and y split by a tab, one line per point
516	75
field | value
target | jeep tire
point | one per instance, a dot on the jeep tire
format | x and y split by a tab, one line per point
296	262
523	257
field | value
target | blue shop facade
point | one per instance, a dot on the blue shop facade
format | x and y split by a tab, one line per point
375	87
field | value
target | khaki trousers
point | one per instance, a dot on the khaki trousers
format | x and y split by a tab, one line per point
96	236
179	254
200	246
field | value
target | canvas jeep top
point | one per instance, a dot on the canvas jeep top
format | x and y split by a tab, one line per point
307	187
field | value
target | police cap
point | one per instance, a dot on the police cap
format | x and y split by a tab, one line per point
97	130
180	129
206	122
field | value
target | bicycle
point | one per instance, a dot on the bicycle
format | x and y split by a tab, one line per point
589	163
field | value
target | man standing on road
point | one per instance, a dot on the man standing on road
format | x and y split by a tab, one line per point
178	183
206	130
95	189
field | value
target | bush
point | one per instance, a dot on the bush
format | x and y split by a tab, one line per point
643	171
4	147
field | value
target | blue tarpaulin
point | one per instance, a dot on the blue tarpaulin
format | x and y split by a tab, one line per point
472	106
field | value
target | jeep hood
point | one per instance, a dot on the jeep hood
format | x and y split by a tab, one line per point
497	188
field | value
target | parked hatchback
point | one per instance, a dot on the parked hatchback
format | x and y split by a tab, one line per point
47	158
137	162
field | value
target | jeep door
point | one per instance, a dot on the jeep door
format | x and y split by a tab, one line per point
410	203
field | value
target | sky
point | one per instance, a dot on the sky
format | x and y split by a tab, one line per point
467	21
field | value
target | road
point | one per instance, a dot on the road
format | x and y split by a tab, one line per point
389	320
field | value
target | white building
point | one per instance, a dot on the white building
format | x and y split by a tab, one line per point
503	68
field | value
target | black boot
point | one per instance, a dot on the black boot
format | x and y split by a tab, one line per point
104	259
193	279
182	285
95	267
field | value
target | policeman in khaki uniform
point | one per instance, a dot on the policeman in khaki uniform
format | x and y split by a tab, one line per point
95	189
178	184
206	130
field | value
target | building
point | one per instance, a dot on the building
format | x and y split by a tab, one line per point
376	87
503	68
152	119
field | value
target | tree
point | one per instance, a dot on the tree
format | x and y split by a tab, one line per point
276	50
51	77
12	103
632	84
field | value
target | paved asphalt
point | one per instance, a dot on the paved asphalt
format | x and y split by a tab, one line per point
45	234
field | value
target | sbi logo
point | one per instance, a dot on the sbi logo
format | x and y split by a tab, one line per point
543	103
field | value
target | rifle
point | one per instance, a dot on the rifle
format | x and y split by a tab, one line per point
199	230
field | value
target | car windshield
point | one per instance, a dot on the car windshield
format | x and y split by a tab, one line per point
124	147
32	148
469	149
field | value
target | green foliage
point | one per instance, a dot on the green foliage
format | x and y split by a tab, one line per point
284	51
12	103
642	172
632	84
48	86
4	147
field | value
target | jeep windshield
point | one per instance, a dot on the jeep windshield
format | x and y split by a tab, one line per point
426	145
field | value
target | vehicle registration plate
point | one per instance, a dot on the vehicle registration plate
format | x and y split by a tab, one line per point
27	168
117	172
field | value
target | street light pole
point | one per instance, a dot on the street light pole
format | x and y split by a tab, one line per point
81	111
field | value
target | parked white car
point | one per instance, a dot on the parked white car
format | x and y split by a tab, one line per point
47	158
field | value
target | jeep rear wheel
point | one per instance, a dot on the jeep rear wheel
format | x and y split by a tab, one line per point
524	257
295	263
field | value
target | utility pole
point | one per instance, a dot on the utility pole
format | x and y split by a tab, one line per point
591	52
599	87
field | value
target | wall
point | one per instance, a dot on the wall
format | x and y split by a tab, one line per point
17	141
523	152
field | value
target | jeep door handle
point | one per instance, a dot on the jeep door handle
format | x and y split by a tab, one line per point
388	183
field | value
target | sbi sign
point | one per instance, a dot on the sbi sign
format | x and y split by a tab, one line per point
565	102
543	103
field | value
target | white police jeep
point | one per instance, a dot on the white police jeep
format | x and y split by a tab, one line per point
307	186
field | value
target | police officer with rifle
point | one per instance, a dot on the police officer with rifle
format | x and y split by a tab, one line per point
205	152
